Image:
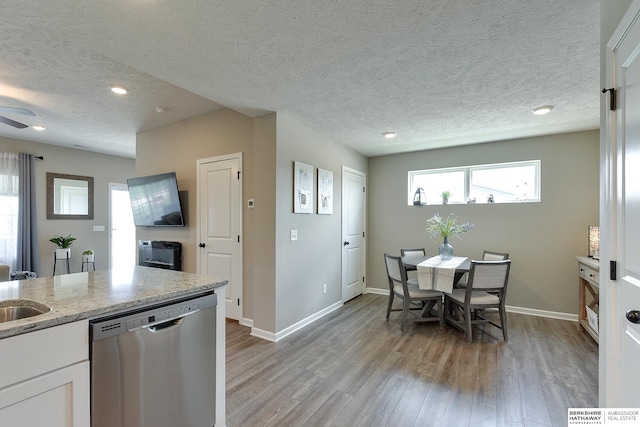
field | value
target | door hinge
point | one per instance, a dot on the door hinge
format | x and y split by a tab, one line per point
613	266
362	279
238	238
363	234
238	174
363	189
238	302
612	97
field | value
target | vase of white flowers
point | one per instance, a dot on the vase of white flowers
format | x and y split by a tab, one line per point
444	228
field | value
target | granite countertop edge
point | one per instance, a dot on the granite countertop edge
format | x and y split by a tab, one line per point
86	308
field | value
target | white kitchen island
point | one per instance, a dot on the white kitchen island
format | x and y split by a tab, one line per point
44	374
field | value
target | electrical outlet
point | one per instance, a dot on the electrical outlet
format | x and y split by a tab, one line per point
294	235
324	288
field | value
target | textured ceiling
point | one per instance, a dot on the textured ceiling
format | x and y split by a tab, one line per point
438	72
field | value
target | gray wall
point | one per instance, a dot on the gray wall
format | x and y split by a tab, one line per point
303	266
282	279
542	238
175	148
103	168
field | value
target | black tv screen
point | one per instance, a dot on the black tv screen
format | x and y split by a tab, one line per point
155	201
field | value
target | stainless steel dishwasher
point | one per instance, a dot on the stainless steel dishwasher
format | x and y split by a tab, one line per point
155	367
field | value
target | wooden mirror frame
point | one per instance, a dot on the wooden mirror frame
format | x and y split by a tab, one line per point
50	193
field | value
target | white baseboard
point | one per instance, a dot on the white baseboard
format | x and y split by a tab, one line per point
510	308
376	291
542	313
246	322
270	336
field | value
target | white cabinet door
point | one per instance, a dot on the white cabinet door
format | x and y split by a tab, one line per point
57	399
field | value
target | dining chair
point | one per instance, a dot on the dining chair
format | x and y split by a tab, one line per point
412	277
413	298
413	252
494	256
486	256
486	289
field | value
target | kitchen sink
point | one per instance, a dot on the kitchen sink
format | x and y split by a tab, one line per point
20	308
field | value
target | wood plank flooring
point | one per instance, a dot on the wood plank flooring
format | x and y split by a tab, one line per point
355	368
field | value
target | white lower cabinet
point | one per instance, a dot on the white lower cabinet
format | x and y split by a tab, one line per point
45	380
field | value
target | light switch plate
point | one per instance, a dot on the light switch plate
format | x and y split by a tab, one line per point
98	228
250	203
294	235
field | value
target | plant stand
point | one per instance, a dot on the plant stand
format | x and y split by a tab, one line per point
88	260
57	258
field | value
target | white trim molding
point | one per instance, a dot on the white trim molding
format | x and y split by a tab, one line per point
542	313
509	308
270	336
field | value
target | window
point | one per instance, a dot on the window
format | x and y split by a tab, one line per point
497	183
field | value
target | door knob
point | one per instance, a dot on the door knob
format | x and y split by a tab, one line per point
345	243
202	245
633	316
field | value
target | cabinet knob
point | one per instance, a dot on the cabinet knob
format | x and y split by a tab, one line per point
633	316
202	245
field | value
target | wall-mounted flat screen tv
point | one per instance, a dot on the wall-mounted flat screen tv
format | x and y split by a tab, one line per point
155	201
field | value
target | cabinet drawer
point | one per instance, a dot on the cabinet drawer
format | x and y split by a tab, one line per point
589	274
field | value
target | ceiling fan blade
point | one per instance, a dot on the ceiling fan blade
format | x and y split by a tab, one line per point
13	123
16	110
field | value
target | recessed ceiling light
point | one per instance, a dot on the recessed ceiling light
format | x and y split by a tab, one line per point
120	90
38	127
161	110
542	110
389	135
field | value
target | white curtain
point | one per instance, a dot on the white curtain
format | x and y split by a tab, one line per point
9	206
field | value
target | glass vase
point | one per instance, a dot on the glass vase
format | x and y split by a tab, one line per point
445	250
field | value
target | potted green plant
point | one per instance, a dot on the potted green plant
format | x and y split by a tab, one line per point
445	197
64	246
88	255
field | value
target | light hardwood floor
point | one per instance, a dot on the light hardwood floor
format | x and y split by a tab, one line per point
355	368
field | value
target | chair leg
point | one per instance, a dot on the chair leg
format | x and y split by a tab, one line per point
405	310
389	305
467	315
503	322
441	313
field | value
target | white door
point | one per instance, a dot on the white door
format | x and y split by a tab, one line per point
622	217
220	225
353	228
122	237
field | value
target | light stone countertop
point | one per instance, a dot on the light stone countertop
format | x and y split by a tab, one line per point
80	296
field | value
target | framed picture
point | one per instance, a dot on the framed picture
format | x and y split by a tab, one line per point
325	192
302	188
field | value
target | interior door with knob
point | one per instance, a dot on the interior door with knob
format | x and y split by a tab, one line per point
353	228
622	347
220	225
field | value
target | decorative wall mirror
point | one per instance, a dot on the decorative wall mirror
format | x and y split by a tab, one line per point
69	196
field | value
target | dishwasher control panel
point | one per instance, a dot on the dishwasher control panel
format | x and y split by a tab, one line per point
148	316
162	315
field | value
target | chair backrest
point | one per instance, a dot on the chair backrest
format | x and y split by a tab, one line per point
395	270
494	256
413	252
489	275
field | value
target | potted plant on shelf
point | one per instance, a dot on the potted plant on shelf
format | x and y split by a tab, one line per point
64	246
445	197
88	255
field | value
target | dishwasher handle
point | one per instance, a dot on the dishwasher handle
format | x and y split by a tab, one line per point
160	324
